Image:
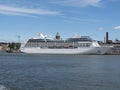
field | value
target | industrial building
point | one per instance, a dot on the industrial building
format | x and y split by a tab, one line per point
115	44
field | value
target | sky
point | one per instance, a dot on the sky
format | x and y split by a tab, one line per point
27	18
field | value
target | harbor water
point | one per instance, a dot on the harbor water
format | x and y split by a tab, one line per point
20	71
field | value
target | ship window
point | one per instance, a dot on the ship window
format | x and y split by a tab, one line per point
84	44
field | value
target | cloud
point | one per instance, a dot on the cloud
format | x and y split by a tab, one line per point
78	3
19	11
81	20
100	28
117	28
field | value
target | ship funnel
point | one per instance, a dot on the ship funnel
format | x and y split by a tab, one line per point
57	36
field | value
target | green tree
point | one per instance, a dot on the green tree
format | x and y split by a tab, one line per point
11	46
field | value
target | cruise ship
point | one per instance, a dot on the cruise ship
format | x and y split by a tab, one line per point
42	44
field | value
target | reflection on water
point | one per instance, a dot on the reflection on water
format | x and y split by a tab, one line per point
2	87
59	72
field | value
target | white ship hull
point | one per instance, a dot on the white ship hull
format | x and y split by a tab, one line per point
82	50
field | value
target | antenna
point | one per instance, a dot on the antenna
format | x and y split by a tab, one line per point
18	36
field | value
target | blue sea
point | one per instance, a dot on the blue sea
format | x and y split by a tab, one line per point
20	71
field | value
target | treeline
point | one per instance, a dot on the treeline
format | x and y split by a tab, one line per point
14	46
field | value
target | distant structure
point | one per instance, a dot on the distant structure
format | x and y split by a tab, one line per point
18	36
3	46
108	41
107	37
115	44
57	36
